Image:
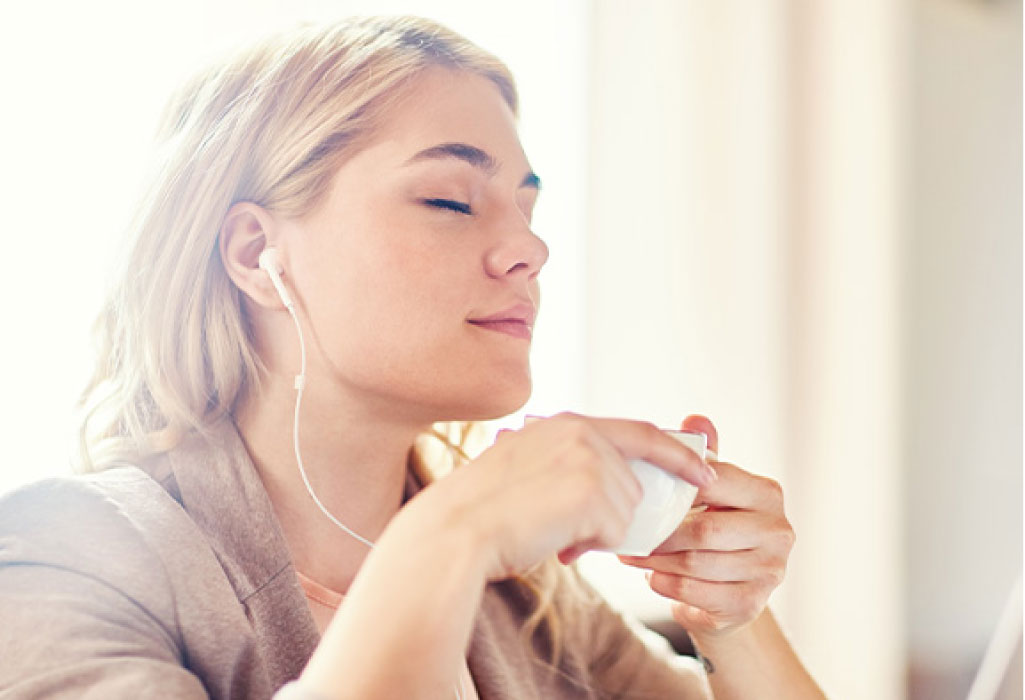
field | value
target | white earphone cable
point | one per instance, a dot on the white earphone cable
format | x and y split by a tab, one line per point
300	384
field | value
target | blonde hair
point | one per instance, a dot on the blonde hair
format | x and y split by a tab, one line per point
269	126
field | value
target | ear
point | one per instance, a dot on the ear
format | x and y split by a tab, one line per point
247	229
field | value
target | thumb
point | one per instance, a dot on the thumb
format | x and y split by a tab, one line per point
701	424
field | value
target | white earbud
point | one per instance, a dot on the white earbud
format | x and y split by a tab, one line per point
269	263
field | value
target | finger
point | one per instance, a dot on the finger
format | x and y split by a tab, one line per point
736	488
721	600
701	424
621	492
571	554
742	565
640	440
619	472
610	508
577	549
612	524
724	531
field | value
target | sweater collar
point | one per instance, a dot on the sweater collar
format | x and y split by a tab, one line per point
222	492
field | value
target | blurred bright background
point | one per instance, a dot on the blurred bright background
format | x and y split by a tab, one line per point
801	218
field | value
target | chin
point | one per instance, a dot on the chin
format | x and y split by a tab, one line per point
489	402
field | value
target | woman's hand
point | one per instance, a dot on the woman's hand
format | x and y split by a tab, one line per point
561	484
729	553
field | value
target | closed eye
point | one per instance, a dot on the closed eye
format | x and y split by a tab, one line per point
449	204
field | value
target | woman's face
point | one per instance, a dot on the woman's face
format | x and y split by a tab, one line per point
424	235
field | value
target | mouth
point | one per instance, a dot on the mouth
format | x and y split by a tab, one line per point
509	326
517	321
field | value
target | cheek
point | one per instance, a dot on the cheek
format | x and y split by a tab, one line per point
431	266
418	280
396	296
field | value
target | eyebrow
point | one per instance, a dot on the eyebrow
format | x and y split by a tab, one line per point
482	160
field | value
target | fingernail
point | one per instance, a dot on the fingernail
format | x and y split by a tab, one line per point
528	419
647	576
712	475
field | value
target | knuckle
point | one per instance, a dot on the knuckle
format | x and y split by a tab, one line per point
688	561
579	454
650	431
681	587
786	536
704	530
570	418
770	579
774	489
579	430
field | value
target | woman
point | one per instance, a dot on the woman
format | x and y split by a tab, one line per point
233	539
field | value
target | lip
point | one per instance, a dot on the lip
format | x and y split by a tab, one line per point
516	320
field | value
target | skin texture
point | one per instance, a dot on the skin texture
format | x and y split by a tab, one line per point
387	281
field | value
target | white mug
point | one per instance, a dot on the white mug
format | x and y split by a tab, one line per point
667	499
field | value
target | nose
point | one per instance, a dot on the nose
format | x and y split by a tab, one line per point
515	251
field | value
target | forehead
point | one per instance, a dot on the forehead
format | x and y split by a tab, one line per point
442	105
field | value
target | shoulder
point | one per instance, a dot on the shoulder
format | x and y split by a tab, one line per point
111	526
118	503
88	604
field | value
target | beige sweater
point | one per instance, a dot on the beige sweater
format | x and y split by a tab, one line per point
174	581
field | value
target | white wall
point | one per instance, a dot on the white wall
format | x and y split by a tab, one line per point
743	245
964	336
843	400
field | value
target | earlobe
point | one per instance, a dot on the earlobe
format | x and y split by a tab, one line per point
248	230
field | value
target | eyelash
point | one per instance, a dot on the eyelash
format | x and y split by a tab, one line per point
449	204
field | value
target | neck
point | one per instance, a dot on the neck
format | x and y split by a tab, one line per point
355	460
